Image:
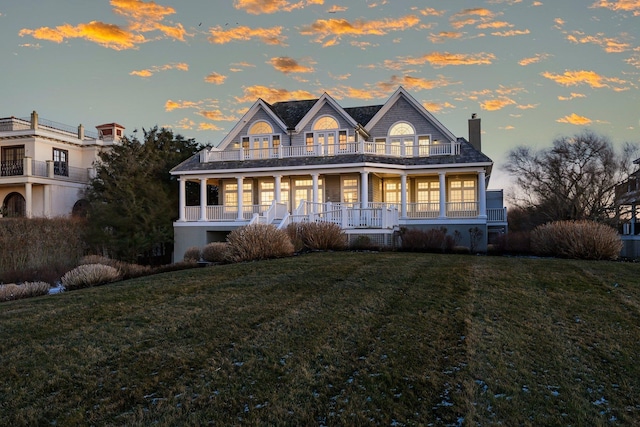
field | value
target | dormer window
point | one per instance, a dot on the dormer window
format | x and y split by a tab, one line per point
261	142
327	137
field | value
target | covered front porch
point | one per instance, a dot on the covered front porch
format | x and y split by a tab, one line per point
363	199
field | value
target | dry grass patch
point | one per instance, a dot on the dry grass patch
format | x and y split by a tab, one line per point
576	239
258	242
88	275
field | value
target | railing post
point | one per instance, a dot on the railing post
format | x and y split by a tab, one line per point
27	166
50	169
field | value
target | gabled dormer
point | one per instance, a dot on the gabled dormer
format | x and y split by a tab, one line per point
404	112
258	121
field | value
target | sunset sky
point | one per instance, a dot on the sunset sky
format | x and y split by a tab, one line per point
531	70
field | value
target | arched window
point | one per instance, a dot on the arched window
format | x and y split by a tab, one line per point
402	128
15	205
260	128
325	123
80	209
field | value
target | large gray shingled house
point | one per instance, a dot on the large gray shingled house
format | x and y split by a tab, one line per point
372	170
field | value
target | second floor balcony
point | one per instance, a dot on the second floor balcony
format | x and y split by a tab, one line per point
321	150
43	169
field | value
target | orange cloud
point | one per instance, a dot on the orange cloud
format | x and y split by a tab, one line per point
620	5
258	7
145	17
217	115
443	36
431	12
494	24
414	83
215	78
591	78
209	126
496	103
532	60
151	71
333	29
510	33
574	119
335	8
442	59
107	35
288	65
471	17
270	36
572	96
609	44
175	105
272	95
142	18
435	106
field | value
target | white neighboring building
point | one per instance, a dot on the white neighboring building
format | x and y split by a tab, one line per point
45	166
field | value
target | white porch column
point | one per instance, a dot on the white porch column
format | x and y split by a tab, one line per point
443	195
203	199
28	198
482	195
314	177
240	198
47	201
182	198
403	196
364	179
278	188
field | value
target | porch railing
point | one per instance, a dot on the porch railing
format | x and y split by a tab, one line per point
42	169
497	215
347	215
319	150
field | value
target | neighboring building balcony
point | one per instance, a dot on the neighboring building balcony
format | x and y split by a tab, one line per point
347	215
28	167
628	192
12	124
362	147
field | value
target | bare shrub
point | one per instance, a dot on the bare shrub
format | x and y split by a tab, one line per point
317	236
215	252
576	239
364	243
39	248
12	291
433	240
258	241
192	254
88	275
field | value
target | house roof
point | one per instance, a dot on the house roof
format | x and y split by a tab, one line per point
291	112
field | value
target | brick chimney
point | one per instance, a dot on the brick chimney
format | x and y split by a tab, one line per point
474	132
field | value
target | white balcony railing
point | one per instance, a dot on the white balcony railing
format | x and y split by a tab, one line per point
283	152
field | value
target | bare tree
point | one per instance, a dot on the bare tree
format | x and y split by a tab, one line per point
574	179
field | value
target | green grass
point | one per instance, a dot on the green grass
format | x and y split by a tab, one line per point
333	339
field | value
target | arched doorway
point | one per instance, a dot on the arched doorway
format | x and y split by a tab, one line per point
15	205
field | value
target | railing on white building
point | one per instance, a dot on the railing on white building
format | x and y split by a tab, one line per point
497	215
319	150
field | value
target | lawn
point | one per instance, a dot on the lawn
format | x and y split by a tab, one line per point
333	339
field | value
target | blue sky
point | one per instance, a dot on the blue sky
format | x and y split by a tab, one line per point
532	70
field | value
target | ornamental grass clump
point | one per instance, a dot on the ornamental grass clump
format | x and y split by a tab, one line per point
258	241
576	239
192	254
318	236
127	270
216	252
87	275
12	291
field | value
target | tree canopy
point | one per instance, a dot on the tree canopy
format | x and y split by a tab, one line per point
572	180
133	198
